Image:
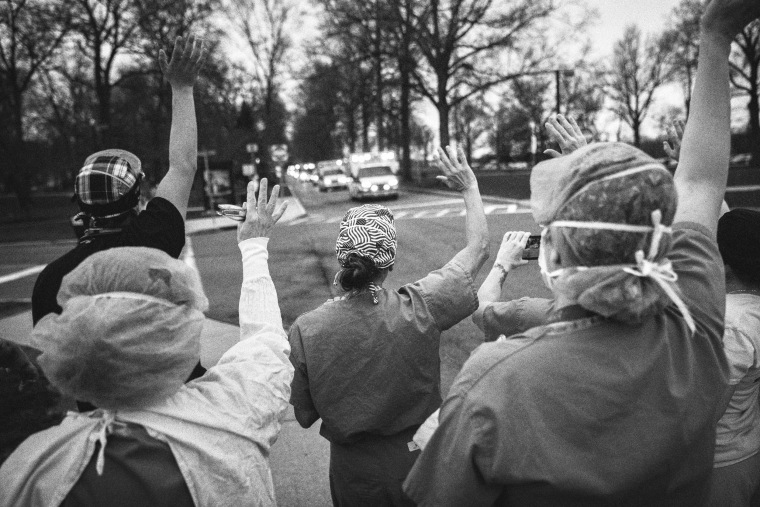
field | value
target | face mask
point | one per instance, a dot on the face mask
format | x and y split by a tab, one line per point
549	277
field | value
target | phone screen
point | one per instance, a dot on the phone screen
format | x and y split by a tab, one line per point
531	247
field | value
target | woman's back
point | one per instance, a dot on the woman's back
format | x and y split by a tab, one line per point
374	368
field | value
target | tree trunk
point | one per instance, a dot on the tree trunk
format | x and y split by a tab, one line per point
636	126
365	127
378	82
754	117
443	111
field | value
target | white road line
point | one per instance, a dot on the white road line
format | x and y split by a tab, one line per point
419	214
21	274
441	213
743	188
463	213
399	214
442	202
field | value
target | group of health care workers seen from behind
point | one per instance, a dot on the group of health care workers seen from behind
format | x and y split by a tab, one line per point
610	394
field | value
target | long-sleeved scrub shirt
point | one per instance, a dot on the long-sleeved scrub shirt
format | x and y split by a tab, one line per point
374	369
219	427
589	411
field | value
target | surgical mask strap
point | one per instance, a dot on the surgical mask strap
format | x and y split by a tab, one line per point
105	427
646	267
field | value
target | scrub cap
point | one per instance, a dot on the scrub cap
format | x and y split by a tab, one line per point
739	242
608	207
368	231
129	333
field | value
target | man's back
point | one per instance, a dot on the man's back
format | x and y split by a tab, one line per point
159	226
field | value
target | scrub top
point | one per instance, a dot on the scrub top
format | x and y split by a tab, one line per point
589	411
373	369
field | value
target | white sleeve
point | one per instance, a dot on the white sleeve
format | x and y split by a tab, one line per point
252	379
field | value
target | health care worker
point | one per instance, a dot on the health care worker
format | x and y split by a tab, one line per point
128	336
614	402
368	363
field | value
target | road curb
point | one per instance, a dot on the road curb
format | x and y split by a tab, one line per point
215	223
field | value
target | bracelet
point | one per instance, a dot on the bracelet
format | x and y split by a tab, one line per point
504	269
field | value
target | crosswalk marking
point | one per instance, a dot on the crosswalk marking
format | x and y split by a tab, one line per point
429	214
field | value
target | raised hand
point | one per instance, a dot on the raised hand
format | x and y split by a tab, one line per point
187	59
511	250
726	18
672	146
456	171
566	133
260	215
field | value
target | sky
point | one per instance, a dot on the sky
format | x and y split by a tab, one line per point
614	15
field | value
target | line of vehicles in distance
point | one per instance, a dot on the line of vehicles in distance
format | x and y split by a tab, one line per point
365	175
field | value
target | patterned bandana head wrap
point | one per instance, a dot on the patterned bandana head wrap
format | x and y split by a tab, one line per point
608	208
368	231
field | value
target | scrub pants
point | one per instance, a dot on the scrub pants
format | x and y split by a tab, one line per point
370	473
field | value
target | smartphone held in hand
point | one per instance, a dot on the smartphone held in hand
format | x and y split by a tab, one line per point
531	247
231	211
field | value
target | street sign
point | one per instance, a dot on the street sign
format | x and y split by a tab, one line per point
252	147
249	169
279	153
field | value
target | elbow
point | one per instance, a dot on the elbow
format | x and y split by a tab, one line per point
482	251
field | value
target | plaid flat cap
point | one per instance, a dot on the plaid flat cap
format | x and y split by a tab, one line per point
105	179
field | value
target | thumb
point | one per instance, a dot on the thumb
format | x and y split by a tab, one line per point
162	62
552	153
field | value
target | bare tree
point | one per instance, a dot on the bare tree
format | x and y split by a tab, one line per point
263	25
683	39
745	76
105	29
461	42
638	69
31	31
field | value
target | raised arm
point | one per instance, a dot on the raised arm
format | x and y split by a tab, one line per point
181	72
509	256
458	176
703	167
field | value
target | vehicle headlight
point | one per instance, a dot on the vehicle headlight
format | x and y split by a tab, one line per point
365	185
374	188
393	182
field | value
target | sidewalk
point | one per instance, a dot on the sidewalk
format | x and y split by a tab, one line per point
214	222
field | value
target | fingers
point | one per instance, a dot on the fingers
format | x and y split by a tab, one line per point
443	162
189	48
262	202
162	61
569	130
553	129
453	155
280	211
668	150
552	153
679	126
178	48
460	153
576	128
273	199
250	203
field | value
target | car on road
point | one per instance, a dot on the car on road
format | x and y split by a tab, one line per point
332	178
373	181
